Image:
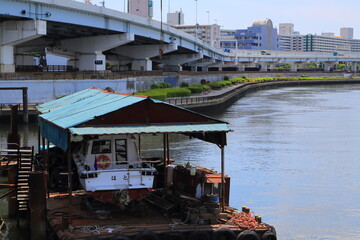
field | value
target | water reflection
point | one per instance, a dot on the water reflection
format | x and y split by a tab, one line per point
293	158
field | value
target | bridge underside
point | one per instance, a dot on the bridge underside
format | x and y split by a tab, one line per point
93	38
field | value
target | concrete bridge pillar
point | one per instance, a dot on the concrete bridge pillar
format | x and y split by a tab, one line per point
141	54
13	33
354	66
194	68
176	60
264	67
94	62
328	66
272	66
294	67
141	65
241	67
7	63
90	49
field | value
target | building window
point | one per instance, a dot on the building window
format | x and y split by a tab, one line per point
99	147
121	152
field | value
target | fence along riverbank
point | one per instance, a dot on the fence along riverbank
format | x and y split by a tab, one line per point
228	95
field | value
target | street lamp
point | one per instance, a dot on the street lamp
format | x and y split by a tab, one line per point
208	17
196	11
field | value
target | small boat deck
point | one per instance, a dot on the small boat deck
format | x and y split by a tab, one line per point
108	221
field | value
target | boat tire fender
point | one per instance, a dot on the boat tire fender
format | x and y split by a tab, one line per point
248	235
147	235
199	235
223	233
269	236
174	236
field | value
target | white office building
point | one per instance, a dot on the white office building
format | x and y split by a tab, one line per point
176	18
140	8
347	33
207	33
286	29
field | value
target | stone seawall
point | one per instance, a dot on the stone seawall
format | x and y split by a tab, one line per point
225	99
40	91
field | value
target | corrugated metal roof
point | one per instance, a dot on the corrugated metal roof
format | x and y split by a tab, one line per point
68	112
180	128
67	100
85	106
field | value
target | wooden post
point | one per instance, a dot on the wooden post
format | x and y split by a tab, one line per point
37	203
46	165
39	141
165	156
167	149
25	106
68	156
222	197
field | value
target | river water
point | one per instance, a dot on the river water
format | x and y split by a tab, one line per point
293	158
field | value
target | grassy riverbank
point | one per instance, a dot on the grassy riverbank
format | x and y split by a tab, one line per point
161	93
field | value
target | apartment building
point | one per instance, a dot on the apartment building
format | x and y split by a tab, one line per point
207	33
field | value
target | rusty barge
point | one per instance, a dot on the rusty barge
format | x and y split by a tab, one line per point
95	184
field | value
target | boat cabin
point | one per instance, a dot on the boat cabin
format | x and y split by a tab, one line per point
112	162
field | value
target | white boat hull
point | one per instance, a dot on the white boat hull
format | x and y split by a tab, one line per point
117	179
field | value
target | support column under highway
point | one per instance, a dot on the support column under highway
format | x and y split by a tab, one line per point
294	67
177	60
13	33
140	55
90	49
264	67
354	66
328	66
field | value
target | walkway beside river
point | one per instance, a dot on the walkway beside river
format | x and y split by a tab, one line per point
232	93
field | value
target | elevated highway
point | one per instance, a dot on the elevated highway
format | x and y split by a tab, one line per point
92	36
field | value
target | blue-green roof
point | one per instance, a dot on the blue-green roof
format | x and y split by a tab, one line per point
84	106
69	114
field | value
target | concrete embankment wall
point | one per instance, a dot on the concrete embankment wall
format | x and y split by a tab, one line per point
226	99
40	91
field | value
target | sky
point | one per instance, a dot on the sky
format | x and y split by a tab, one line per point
308	16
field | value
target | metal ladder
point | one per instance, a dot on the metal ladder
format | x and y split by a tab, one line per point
25	166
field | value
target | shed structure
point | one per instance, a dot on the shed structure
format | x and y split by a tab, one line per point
99	112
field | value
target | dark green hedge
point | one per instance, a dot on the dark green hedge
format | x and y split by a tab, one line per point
162	94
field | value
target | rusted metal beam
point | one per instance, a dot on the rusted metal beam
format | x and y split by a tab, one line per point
25	106
7	193
37	203
25	100
7	185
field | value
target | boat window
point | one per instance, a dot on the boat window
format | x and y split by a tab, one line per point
99	147
121	153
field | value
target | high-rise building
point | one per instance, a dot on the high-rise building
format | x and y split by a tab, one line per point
260	36
207	33
176	18
140	7
347	33
286	29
